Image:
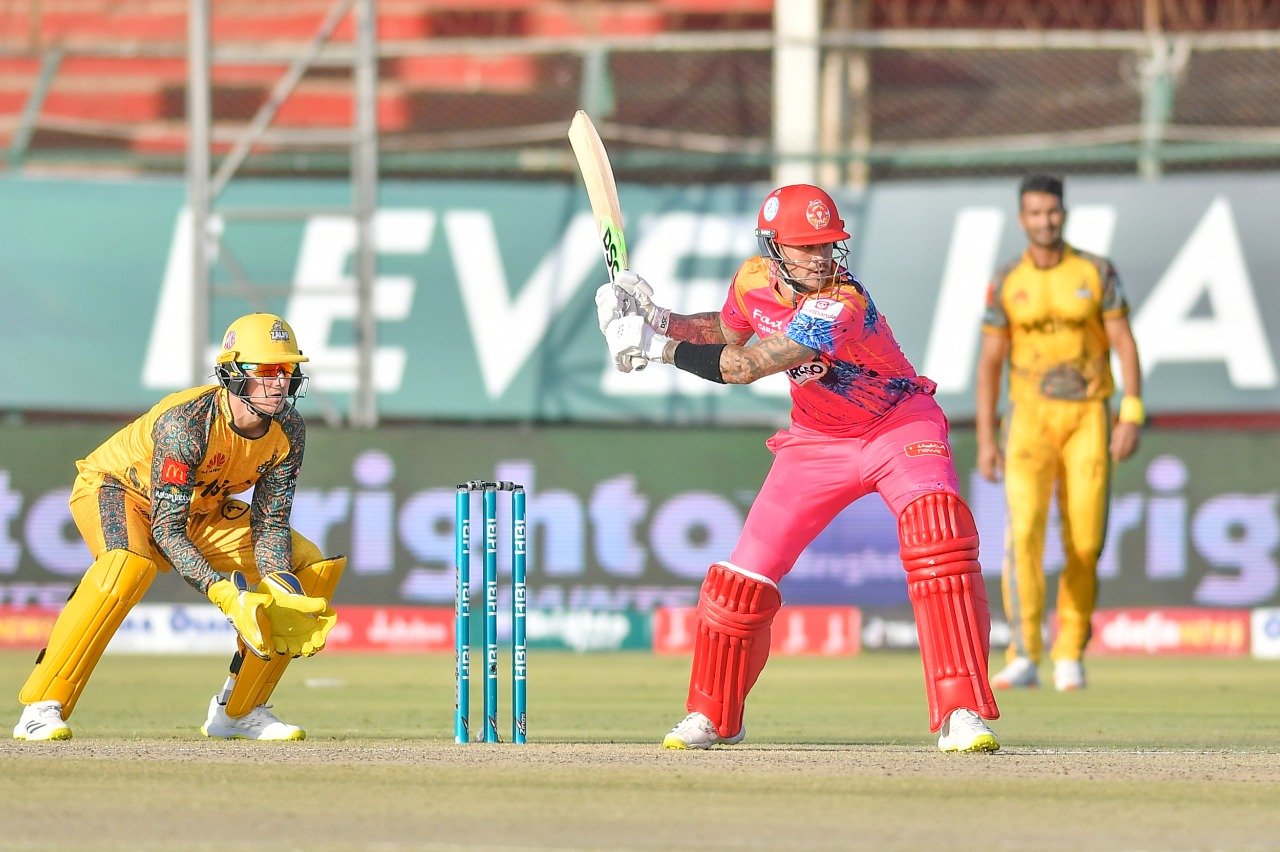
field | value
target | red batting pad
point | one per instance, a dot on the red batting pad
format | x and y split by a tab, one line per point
939	546
735	612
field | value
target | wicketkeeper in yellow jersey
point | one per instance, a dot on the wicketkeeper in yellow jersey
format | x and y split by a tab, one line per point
157	495
1056	314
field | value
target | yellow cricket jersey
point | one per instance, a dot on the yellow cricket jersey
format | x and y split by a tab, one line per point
183	459
1058	347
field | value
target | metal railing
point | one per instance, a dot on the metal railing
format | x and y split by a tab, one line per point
935	102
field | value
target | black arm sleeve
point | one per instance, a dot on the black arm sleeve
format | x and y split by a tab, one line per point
701	359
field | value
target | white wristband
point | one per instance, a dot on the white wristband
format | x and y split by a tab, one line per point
660	320
656	346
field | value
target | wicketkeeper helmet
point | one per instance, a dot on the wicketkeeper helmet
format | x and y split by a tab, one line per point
256	339
260	339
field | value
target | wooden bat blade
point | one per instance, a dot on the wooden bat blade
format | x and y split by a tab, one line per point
602	192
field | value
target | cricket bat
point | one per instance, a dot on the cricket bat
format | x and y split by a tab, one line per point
602	192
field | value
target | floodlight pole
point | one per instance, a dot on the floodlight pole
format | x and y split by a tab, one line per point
198	118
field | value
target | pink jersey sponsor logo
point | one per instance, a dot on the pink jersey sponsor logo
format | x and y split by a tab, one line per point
807	372
928	448
767	324
827	309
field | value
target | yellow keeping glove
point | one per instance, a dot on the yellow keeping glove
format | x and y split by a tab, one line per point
300	624
246	610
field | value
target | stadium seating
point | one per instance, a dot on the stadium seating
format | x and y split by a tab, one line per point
122	79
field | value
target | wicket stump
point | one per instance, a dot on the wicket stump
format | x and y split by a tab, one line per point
462	610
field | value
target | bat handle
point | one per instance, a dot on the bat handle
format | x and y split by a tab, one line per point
625	303
629	308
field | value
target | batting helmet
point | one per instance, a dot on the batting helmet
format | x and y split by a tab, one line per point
800	215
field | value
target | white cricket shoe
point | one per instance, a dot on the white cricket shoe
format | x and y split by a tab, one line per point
697	731
42	721
964	730
1068	675
1020	672
258	724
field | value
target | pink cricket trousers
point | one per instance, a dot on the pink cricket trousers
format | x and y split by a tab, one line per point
904	455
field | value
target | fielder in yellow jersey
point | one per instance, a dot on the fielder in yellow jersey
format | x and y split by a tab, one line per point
158	495
1055	316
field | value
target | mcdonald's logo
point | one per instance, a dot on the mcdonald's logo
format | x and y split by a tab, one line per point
174	472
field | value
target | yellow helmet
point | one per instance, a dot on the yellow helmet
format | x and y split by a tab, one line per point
260	339
257	339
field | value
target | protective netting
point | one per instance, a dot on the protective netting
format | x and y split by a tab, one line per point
486	89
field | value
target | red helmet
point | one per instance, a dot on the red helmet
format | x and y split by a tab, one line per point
800	215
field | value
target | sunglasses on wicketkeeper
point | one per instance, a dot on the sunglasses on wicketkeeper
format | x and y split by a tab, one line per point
267	371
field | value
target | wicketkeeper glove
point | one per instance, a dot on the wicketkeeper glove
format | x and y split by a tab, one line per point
300	624
246	610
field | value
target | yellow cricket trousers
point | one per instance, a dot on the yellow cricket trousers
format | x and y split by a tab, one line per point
1065	443
223	535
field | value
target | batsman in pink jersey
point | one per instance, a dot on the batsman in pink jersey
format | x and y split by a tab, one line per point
862	421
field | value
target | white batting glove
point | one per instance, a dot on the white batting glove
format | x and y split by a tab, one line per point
638	291
610	305
632	342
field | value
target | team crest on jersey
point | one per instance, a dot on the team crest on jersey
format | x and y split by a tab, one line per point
818	214
928	448
278	332
808	372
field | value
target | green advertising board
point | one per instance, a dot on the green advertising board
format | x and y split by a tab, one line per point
483	299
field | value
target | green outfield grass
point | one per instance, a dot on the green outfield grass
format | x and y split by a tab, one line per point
1157	753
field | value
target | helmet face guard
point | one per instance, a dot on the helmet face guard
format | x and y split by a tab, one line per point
812	283
253	345
235	378
801	215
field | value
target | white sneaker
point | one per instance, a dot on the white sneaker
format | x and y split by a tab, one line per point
964	730
258	724
1021	672
697	731
42	721
1068	675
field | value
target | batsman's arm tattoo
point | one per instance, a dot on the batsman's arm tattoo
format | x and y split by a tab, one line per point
742	365
698	328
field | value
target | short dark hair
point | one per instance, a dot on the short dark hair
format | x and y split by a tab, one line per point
1041	183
